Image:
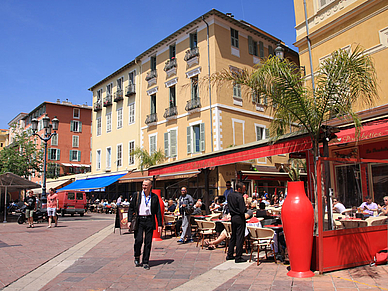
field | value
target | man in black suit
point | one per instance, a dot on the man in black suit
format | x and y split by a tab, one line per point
145	206
237	210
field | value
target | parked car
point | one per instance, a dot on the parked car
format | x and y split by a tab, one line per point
72	202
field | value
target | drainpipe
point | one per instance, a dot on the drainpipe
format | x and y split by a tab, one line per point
210	87
309	46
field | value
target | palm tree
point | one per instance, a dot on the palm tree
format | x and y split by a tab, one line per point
344	82
147	160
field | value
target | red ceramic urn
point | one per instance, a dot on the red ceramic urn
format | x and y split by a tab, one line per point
298	226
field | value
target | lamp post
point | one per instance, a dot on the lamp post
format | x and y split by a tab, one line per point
45	138
279	51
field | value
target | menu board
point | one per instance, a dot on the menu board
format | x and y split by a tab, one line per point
122	218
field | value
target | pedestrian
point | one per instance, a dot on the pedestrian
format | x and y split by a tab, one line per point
145	211
52	206
237	211
119	200
30	202
186	207
228	190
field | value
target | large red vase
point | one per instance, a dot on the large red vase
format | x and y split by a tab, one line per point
298	226
157	236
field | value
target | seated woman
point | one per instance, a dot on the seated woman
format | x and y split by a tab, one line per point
384	209
261	212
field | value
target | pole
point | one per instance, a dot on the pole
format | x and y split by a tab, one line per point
44	169
5	205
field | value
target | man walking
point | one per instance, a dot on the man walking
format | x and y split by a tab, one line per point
52	206
186	203
30	202
237	210
145	205
228	190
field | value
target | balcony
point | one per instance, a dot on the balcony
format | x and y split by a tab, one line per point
97	106
193	104
108	100
118	96
170	64
170	112
130	90
152	118
191	56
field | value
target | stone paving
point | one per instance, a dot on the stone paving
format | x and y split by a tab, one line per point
108	265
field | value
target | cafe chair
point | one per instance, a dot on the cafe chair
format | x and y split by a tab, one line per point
379	220
262	240
205	228
169	223
213	216
354	223
228	229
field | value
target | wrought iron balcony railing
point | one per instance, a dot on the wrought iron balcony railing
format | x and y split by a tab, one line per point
151	118
150	75
193	104
130	89
170	111
191	53
97	105
171	63
108	100
118	96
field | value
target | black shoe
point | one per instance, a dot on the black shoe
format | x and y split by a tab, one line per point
137	263
240	260
146	266
230	258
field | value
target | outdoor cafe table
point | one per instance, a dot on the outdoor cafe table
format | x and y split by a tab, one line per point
219	225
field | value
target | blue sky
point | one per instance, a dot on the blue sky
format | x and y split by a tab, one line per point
58	49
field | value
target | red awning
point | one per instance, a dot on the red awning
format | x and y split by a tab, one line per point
234	155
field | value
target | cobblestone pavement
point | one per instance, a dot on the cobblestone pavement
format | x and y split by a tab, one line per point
107	264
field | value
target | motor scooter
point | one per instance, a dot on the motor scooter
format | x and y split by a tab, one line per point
39	216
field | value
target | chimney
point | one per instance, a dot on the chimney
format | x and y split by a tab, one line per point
230	15
58	100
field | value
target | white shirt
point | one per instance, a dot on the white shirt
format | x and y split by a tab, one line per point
145	205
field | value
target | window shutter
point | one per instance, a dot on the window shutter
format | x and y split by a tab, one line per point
71	125
79	156
71	155
189	139
202	137
250	45
166	145
261	49
79	126
270	50
173	140
58	154
267	133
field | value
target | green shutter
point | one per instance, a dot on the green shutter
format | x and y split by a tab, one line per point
166	145
79	126
173	142
79	156
58	154
250	45
267	133
189	139
71	125
270	50
71	155
261	49
202	137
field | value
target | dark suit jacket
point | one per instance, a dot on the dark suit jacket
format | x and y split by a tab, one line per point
155	209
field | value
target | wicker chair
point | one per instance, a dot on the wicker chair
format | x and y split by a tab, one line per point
262	239
205	228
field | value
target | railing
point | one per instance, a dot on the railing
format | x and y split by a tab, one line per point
151	118
170	64
193	104
151	75
118	96
97	105
191	53
130	89
170	111
108	100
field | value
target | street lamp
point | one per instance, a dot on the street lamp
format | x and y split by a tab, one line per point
279	51
45	138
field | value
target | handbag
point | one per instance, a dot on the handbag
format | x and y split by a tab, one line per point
189	210
134	225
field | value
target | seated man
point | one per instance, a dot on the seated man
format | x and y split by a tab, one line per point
368	206
125	203
216	206
197	208
338	207
261	212
171	206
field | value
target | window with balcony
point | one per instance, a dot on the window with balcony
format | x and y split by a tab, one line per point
76	113
131	149
151	118
53	154
118	96
153	63
119	118
75	141
153	144
194	88
234	38
131	110
237	91
170	143
196	138
119	160
75	126
172	50
98	126
98	159
109	122
108	157
99	95
75	156
131	84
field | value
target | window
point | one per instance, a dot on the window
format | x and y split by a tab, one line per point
75	141
131	109
262	132
76	113
261	49
234	37
98	160
152	144
323	3
170	143
153	63
131	147
75	126
194	88
99	95
153	104
270	50
53	154
172	97
54	140
252	46
119	161
109	89
196	138
193	40
98	126
131	77
75	155
236	91
172	51
120	84
119	118
109	122
108	157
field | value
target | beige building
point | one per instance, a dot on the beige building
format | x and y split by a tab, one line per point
3	138
175	109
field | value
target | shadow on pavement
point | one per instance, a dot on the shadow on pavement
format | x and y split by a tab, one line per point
154	263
